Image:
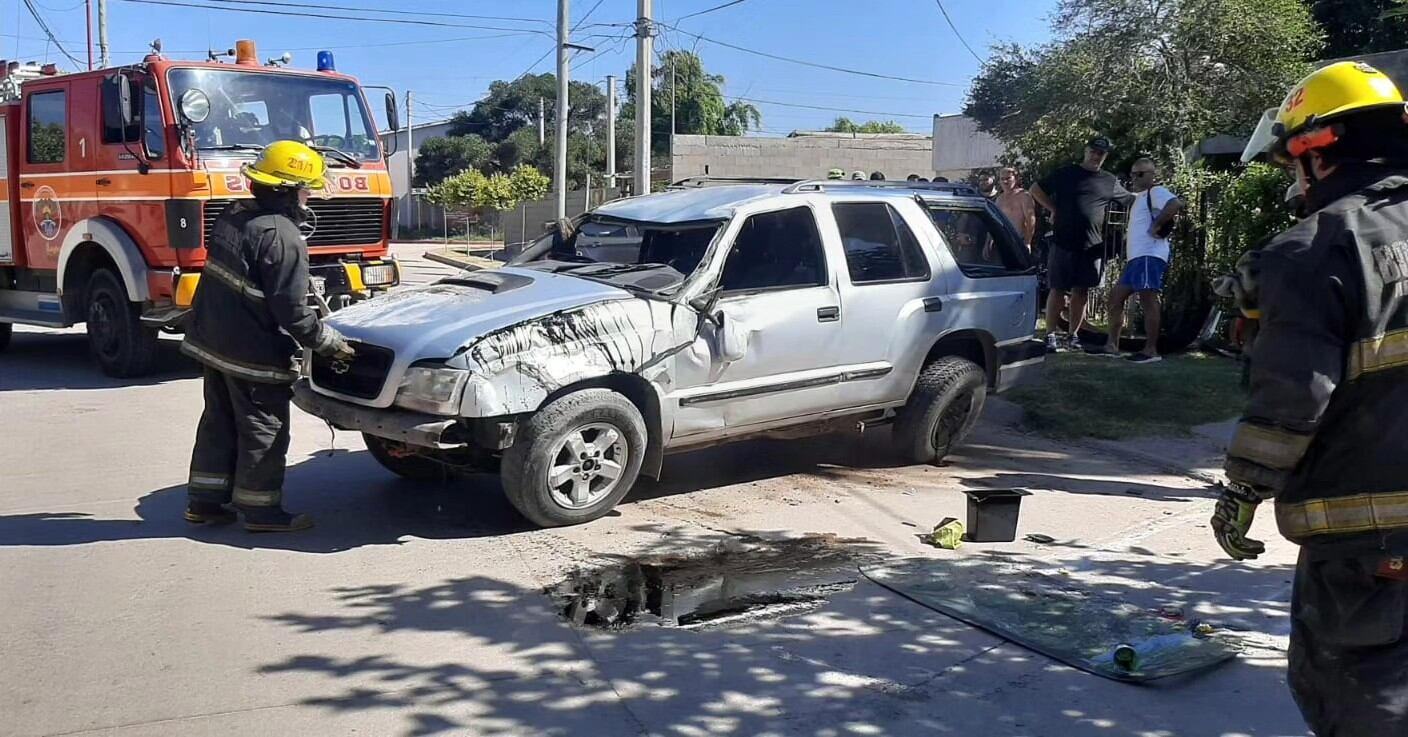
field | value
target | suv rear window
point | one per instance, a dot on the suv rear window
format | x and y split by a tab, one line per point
979	242
879	245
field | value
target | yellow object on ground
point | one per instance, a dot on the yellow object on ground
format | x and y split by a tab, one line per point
947	534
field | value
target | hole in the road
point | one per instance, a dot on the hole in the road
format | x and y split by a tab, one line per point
742	579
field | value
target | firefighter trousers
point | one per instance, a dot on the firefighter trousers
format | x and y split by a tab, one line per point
241	443
1349	645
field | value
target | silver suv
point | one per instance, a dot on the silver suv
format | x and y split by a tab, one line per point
705	314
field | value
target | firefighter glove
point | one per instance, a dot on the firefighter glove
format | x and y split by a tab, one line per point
334	346
1232	519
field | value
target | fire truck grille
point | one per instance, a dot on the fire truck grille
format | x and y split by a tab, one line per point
341	221
361	377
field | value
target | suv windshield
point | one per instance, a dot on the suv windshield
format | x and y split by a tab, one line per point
651	256
254	109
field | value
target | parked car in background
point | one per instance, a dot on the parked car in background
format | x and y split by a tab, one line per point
687	318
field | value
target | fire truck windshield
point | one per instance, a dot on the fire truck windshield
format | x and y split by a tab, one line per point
251	109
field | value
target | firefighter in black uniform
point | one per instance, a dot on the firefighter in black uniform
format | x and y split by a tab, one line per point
250	314
1325	432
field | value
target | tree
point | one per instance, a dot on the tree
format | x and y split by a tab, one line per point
513	105
471	191
846	125
1354	27
697	97
439	158
1155	77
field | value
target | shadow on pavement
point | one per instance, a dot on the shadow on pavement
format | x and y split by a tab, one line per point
867	663
38	361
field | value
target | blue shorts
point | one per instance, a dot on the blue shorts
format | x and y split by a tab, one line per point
1145	274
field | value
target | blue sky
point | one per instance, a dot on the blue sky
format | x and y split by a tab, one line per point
448	67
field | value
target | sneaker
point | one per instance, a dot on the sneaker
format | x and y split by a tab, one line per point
1102	349
1073	343
1143	358
1054	343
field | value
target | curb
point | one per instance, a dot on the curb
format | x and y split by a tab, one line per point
450	261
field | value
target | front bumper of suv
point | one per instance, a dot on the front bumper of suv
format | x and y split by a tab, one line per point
404	426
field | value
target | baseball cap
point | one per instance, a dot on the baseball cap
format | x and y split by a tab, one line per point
1100	143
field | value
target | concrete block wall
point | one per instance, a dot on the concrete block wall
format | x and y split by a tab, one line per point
806	156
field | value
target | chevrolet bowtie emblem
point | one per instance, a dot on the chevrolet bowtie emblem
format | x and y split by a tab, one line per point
340	367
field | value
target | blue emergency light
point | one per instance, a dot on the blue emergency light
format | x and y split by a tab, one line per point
325	62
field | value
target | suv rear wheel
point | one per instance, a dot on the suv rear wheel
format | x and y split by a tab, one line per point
119	342
945	404
575	459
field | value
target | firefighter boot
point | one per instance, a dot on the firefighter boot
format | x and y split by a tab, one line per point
274	519
208	513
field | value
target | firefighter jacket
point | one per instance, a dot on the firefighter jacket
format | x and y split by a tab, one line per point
1326	426
251	310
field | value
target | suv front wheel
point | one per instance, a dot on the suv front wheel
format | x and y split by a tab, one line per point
575	459
947	399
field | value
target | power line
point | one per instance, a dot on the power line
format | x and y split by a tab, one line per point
584	18
944	10
34	12
827	109
710	10
405	21
360	9
803	62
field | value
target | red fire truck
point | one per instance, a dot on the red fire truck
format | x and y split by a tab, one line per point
111	179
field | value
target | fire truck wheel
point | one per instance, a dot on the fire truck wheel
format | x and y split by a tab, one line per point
116	338
5	329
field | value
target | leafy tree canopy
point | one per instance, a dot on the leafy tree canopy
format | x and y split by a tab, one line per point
698	100
1155	76
439	158
846	125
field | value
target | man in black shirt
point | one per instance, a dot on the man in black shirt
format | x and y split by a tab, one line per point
1077	196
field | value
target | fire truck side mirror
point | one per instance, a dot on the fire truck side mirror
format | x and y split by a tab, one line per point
393	117
124	101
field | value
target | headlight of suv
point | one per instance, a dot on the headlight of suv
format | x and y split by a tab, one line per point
436	390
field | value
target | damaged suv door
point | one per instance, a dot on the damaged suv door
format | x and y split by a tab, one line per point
776	336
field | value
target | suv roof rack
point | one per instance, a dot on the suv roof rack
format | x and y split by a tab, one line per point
705	181
821	185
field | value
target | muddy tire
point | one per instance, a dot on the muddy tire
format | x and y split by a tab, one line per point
5	330
575	459
412	467
945	404
118	341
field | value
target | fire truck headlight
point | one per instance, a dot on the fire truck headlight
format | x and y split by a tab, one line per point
379	274
195	106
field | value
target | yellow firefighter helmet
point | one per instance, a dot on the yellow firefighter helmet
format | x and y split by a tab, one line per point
287	164
1323	96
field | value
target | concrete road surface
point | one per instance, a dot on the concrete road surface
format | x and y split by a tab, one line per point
417	609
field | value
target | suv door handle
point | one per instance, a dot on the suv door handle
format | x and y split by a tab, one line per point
104	182
933	304
828	314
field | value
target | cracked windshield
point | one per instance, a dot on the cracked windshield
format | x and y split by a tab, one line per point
704	368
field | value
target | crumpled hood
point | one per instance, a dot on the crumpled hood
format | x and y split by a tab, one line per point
438	320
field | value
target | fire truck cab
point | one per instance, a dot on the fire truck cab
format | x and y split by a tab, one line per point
111	179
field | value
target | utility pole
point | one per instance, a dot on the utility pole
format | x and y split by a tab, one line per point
103	33
410	164
542	123
645	49
672	104
559	169
610	131
88	22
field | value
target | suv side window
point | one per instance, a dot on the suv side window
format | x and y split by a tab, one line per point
48	119
879	245
776	250
979	242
